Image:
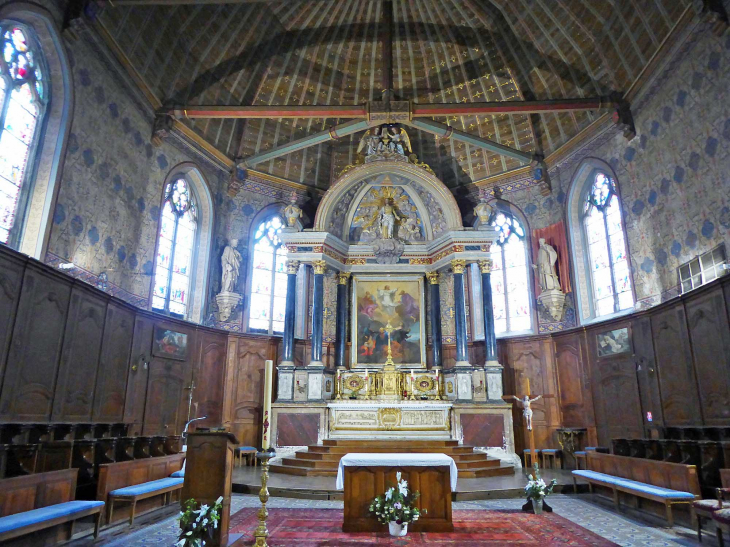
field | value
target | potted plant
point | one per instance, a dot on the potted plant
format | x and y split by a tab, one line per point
396	508
537	490
197	526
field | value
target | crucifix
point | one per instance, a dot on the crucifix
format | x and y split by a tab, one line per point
525	402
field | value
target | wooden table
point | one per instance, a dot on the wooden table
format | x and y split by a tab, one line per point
362	483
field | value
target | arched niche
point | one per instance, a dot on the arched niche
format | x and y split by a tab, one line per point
435	205
51	151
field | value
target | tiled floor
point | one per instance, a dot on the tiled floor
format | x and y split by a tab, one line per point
622	529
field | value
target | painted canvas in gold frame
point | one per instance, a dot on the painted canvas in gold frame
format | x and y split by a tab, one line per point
377	300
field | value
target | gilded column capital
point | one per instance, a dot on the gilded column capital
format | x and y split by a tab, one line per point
485	265
458	265
433	277
319	266
342	277
292	266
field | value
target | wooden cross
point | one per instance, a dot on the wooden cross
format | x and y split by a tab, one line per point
528	416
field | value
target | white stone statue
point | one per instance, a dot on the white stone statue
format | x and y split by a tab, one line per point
546	258
525	403
231	263
388	216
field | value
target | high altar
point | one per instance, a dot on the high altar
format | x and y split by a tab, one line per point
389	227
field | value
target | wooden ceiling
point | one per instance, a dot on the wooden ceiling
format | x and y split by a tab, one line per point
329	52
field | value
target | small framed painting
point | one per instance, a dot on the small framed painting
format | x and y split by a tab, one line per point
170	344
613	342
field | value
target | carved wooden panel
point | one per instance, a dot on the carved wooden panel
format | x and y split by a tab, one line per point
247	385
11	279
111	383
30	376
710	334
165	395
616	399
210	378
79	357
646	372
139	370
572	381
680	400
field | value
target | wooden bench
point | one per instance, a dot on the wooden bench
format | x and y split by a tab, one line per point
705	509
663	482
138	481
40	509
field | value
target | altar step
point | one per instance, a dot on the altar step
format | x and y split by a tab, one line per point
323	460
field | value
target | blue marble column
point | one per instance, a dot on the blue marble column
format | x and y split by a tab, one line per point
292	266
341	324
317	311
462	351
490	338
435	316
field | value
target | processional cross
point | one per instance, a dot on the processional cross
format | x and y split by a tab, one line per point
389	328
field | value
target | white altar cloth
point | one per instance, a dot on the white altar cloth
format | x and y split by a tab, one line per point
395	460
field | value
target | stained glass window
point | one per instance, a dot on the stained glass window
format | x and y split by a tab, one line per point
268	278
22	104
173	269
510	279
606	242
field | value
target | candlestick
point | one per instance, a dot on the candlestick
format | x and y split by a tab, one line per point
268	380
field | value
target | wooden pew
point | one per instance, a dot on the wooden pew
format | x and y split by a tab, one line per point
663	482
40	509
114	476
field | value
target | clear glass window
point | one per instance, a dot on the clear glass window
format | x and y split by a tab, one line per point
606	243
268	278
510	276
702	269
175	249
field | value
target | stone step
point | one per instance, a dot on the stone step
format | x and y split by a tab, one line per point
393	445
318	472
333	464
448	450
306	455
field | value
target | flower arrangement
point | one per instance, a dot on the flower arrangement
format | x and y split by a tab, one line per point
396	506
197	526
536	488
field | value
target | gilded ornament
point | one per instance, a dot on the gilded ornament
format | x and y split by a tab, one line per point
485	265
319	266
342	277
355	382
433	277
292	266
458	265
389	418
425	383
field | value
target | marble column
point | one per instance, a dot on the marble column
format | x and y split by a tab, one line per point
292	267
462	350
433	283
493	369
341	324
317	312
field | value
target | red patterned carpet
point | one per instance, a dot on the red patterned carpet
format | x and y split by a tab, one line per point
475	528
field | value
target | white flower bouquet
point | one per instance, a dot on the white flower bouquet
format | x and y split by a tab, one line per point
197	526
536	488
396	505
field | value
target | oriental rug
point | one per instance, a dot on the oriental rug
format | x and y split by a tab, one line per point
475	528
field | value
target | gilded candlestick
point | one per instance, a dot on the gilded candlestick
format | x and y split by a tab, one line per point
261	531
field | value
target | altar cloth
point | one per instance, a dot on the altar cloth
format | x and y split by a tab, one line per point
395	460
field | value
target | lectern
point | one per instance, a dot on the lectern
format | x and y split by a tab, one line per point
208	475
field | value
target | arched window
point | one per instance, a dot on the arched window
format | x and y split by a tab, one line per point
610	278
175	249
268	277
510	275
22	105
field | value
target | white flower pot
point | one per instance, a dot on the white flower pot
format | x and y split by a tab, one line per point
397	530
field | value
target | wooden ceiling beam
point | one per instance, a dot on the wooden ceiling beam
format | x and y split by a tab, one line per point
599	104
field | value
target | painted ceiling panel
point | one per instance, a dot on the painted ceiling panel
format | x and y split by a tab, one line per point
319	52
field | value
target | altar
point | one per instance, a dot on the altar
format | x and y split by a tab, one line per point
388	242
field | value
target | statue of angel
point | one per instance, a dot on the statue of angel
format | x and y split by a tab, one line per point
525	403
370	142
401	144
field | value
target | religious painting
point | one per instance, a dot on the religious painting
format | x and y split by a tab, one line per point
388	311
613	342
170	344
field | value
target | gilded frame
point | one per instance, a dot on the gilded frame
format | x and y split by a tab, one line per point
358	280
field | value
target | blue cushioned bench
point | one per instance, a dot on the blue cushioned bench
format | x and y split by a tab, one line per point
142	491
619	474
179	474
42	506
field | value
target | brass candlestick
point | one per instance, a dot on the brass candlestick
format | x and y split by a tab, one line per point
261	531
